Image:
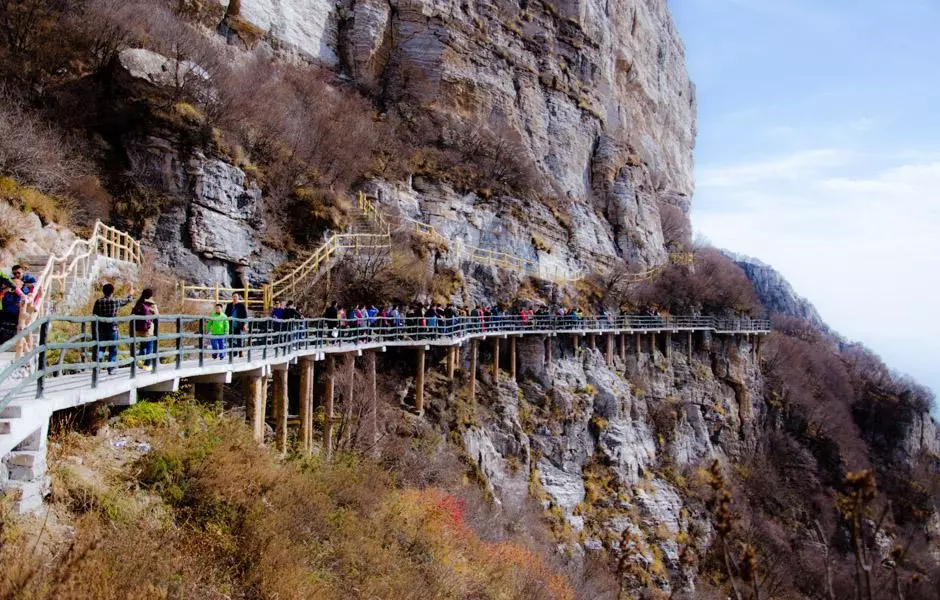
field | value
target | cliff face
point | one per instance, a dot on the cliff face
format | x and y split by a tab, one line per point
609	449
596	92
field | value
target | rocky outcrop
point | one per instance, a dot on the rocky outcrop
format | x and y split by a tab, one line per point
306	28
211	227
606	445
775	293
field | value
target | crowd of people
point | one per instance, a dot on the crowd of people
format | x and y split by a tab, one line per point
230	326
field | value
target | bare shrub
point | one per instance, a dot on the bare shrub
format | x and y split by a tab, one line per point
676	228
713	284
32	152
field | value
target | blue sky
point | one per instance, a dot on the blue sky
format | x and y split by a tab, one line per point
818	152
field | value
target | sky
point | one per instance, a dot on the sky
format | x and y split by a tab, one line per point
818	152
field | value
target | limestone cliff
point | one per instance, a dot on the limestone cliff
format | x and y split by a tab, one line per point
609	448
597	93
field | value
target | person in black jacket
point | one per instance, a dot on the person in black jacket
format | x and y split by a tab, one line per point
238	313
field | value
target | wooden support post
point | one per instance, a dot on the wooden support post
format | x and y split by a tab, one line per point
473	370
419	383
328	407
668	346
350	381
512	358
592	342
623	348
451	362
306	405
610	349
690	346
373	422
639	344
263	406
757	348
548	351
653	345
495	360
577	343
253	408
279	404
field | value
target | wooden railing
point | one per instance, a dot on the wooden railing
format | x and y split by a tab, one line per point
264	297
74	265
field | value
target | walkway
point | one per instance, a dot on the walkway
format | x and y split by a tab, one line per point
67	374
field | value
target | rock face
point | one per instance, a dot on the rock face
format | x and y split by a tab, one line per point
606	444
210	230
775	293
596	90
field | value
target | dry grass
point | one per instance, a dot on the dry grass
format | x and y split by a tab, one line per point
219	516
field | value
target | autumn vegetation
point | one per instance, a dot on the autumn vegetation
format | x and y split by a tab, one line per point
208	513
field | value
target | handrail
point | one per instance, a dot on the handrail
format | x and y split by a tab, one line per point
264	297
182	341
107	241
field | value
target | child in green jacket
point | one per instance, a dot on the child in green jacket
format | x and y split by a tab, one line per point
218	327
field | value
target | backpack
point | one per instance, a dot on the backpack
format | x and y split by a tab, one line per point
142	309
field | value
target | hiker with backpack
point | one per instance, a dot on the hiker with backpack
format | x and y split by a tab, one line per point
145	307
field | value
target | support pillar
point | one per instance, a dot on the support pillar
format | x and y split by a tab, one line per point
306	406
495	360
577	343
451	362
652	345
254	408
757	348
623	348
668	346
639	344
419	383
610	349
373	418
548	351
473	370
279	407
351	384
690	346
512	358
328	407
592	342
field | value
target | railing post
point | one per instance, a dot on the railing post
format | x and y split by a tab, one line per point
202	341
156	344
41	367
133	338
179	342
97	357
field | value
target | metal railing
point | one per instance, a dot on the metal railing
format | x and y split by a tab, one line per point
179	341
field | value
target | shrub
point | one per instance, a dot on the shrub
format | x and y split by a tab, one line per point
31	152
713	284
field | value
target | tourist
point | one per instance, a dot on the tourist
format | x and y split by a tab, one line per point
331	319
146	307
238	313
12	297
107	307
218	326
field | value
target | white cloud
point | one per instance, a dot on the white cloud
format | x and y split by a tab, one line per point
865	248
789	167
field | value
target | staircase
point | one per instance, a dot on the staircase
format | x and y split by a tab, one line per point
368	233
